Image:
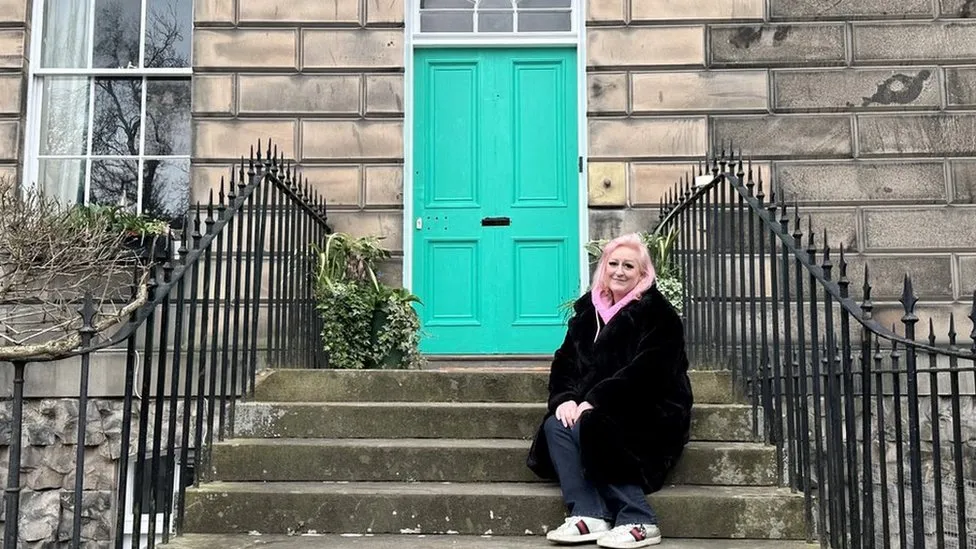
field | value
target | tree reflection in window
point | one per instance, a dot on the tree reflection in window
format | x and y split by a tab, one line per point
119	133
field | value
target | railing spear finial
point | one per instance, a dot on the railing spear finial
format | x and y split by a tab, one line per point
952	331
760	195
222	196
826	265
842	280
908	299
972	317
797	229
241	182
197	235
867	306
210	219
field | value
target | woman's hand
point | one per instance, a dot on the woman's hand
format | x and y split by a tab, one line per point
566	413
583	406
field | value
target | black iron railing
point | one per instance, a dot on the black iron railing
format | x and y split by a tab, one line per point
876	429
235	289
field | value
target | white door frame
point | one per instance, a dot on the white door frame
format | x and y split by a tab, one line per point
413	42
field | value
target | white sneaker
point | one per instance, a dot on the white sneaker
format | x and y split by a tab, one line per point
630	536
579	530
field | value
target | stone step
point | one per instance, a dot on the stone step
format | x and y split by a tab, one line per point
339	541
456	460
458	384
472	508
710	422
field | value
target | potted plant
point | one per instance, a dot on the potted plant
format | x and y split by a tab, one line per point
366	324
145	235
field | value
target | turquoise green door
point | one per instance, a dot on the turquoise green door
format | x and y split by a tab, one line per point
496	206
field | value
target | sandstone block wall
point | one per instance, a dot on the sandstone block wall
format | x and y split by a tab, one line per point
324	80
14	32
863	112
864	109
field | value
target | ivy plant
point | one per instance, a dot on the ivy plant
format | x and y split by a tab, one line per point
366	324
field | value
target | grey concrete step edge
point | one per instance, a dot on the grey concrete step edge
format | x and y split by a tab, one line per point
421	541
285	385
460	460
710	422
473	508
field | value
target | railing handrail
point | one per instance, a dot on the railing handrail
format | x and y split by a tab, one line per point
258	171
691	194
761	299
193	371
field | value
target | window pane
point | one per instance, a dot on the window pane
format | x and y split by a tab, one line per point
115	182
117	25
62	178
545	21
543	3
115	127
166	187
447	21
495	21
504	4
169	24
168	117
64	116
440	4
65	42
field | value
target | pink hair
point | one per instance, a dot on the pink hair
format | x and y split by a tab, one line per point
644	265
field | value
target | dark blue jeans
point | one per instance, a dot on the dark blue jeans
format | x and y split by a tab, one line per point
616	503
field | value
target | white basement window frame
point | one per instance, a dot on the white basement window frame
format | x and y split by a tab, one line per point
494	22
82	66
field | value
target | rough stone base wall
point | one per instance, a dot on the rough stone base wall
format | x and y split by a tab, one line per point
49	446
894	488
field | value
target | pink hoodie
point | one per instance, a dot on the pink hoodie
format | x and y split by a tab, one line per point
607	310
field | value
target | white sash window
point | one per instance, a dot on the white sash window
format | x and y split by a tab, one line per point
109	113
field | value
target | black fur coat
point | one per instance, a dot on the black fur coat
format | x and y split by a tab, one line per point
636	377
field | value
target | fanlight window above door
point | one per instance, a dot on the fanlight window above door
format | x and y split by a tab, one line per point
480	17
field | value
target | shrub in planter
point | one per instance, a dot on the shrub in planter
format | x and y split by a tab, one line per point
365	323
145	235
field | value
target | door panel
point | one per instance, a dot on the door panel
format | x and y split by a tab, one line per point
457	301
452	113
539	140
495	136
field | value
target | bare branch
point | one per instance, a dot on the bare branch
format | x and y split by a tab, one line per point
50	258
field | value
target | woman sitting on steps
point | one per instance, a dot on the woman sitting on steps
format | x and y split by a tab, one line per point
619	404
